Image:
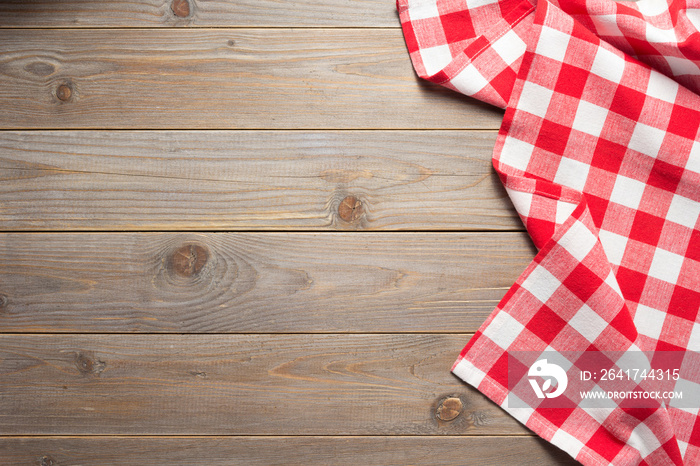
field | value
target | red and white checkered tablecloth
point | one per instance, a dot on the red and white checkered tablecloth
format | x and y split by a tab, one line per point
599	152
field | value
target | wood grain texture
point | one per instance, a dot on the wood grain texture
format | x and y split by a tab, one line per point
263	451
248	347
222	78
330	384
255	282
226	180
198	13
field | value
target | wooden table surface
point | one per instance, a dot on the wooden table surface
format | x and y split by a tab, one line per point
243	232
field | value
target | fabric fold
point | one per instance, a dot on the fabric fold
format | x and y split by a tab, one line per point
476	52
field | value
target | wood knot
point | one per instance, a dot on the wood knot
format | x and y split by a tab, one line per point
4	301
87	364
479	418
350	209
449	408
181	8
46	460
40	68
64	92
189	259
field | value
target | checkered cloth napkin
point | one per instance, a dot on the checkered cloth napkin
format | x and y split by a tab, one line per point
599	152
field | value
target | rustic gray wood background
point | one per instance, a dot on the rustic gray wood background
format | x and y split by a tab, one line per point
243	232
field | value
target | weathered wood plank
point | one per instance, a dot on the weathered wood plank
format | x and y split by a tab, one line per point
255	282
263	450
225	180
202	13
331	384
222	78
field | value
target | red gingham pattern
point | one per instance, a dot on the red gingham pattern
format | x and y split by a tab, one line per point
600	153
665	36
